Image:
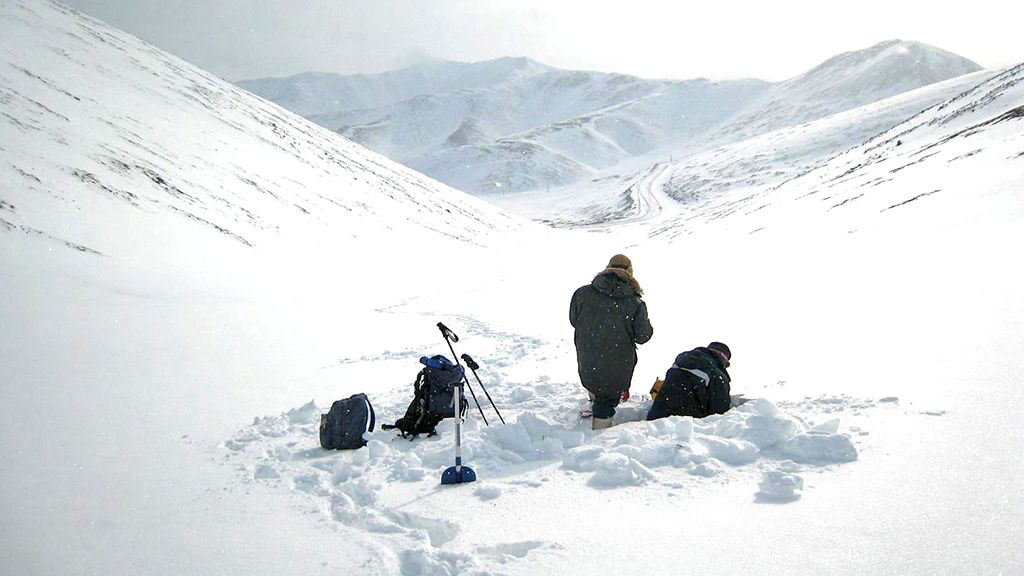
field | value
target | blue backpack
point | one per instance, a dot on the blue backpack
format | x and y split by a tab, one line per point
433	398
342	428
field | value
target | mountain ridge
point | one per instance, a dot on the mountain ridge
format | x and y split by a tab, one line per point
568	124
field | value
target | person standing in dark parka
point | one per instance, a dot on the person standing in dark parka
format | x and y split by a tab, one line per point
610	319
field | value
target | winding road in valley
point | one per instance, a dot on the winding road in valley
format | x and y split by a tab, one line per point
646	203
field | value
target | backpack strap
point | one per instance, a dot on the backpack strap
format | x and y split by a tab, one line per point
421	397
696	372
373	415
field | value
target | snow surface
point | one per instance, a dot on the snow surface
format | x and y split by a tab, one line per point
172	333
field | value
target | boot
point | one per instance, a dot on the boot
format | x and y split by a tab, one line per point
601	423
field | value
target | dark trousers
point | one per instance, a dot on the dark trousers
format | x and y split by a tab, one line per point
676	398
604	405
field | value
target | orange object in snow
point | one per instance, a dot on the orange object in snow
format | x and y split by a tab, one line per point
656	388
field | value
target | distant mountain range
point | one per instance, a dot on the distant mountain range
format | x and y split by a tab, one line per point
515	124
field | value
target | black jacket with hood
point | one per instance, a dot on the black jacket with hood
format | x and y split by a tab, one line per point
696	385
610	320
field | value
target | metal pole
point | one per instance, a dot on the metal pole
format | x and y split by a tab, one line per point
473	366
450	336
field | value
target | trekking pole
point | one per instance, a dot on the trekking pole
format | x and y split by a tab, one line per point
473	366
450	337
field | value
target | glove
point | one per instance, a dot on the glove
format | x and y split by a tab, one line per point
625	395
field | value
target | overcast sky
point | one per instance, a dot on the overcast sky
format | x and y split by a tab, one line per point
717	39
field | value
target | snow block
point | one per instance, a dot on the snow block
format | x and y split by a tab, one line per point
661	427
661	454
306	414
408	468
628	437
731	451
529	438
629	451
615	470
705	469
377	449
765	427
513	438
424	560
583	458
684	428
779	487
820	448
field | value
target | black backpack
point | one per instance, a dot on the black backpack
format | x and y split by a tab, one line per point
342	428
433	398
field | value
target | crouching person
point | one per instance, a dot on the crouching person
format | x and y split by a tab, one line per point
696	385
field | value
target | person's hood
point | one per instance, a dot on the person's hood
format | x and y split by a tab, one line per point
614	283
713	356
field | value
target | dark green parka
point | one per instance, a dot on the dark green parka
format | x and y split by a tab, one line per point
610	320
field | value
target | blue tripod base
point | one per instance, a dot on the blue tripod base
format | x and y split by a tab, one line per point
458	474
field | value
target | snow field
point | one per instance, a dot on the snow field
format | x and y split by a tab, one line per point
876	323
755	432
390	487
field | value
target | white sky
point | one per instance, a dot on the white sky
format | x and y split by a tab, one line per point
240	39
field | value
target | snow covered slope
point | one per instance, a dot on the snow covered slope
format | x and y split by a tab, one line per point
163	235
513	124
848	81
938	155
99	127
750	165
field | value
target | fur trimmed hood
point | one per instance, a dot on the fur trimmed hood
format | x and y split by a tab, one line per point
620	274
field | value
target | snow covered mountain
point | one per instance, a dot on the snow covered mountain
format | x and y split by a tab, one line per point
576	148
514	124
840	174
850	80
152	139
316	93
425	105
941	151
748	167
